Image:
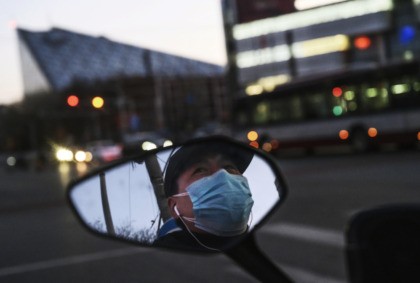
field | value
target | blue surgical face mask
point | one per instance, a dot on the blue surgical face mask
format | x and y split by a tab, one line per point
222	203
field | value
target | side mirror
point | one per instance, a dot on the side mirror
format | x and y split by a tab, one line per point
149	198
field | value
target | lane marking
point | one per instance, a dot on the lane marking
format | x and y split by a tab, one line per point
300	232
306	233
295	273
6	271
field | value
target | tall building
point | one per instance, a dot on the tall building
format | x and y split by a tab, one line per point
138	89
276	42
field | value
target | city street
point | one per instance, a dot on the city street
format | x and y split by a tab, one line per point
41	241
331	89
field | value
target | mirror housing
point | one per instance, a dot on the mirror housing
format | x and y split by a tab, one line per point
141	199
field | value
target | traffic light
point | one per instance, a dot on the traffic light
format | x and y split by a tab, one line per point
72	100
98	102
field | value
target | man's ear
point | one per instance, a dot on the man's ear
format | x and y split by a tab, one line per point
171	205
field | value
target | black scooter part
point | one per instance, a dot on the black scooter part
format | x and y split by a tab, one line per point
249	256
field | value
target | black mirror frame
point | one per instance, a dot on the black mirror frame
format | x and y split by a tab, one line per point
270	160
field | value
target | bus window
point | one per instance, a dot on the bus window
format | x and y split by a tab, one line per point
261	113
401	87
242	118
278	112
296	108
375	97
406	92
315	106
350	97
343	100
286	110
415	92
416	86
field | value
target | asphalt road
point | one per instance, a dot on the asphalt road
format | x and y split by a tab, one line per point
41	241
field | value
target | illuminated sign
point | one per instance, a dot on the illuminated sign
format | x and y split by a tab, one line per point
301	49
315	16
308	4
266	84
320	46
362	42
263	56
271	51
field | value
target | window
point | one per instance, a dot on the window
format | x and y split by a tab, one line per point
375	97
315	106
261	114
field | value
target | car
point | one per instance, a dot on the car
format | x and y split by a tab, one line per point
143	141
104	150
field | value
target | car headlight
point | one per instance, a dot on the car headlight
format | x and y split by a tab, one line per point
167	143
64	154
80	156
11	161
148	145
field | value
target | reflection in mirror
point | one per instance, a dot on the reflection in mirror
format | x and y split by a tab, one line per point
202	196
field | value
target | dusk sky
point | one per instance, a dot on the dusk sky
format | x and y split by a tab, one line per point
189	28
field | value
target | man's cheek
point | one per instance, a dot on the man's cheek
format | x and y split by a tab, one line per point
187	208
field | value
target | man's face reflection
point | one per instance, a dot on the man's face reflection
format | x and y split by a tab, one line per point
207	166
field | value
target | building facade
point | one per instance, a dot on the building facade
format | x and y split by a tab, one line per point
140	90
306	39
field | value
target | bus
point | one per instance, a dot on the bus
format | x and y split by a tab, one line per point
362	109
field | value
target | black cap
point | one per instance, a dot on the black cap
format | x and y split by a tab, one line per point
188	155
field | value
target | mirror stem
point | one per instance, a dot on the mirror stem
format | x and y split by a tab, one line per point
105	206
156	178
249	256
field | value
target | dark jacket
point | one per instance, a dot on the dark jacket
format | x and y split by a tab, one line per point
173	234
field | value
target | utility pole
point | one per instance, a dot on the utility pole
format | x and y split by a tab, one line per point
157	86
229	20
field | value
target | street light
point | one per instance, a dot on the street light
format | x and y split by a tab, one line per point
72	100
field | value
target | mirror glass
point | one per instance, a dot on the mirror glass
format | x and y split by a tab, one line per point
211	194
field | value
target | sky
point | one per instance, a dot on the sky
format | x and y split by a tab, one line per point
191	28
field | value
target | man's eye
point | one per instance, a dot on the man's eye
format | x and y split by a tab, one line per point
199	170
231	169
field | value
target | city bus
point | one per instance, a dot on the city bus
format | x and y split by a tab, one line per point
362	109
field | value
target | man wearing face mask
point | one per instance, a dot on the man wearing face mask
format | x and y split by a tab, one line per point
208	198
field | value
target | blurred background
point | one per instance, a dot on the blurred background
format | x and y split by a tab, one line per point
329	84
282	76
104	82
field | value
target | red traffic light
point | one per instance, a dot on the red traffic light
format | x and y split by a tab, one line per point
72	100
